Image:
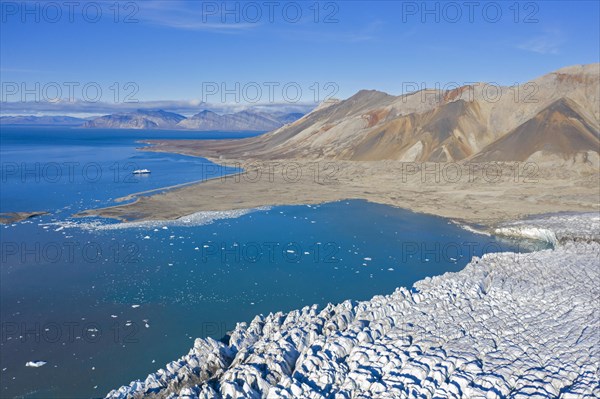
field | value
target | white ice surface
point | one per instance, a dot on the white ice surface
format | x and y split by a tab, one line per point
195	219
508	325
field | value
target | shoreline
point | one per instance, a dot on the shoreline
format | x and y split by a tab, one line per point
471	200
15	217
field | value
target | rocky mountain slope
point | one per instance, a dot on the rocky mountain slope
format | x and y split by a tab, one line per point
556	115
141	119
244	120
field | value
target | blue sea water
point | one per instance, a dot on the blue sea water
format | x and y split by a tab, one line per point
103	306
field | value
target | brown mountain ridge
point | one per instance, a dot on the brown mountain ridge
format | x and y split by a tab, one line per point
554	116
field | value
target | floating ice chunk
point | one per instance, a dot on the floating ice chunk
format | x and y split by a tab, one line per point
368	259
35	363
135	306
146	237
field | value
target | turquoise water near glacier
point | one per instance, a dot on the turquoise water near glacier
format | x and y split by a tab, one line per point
105	306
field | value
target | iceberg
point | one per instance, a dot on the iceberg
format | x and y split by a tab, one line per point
35	363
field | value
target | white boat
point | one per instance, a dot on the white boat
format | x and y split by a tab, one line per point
141	172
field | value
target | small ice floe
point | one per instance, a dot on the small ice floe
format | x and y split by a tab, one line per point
197	249
146	237
141	172
367	259
165	228
170	264
135	306
391	269
35	363
114	316
290	251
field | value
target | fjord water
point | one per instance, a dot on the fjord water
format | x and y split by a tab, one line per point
105	306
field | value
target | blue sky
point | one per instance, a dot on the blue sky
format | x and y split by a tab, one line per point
171	50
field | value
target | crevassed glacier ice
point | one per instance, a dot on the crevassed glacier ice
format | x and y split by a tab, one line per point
508	325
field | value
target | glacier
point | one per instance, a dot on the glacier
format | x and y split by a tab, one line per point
518	325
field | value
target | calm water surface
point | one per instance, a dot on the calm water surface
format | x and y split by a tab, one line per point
105	306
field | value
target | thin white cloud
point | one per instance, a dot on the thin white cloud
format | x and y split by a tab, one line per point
188	16
548	42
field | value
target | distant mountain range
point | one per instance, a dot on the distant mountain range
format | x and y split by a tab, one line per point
147	119
42	120
556	116
245	120
140	119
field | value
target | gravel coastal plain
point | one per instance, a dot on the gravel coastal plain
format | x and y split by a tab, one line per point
508	325
482	193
